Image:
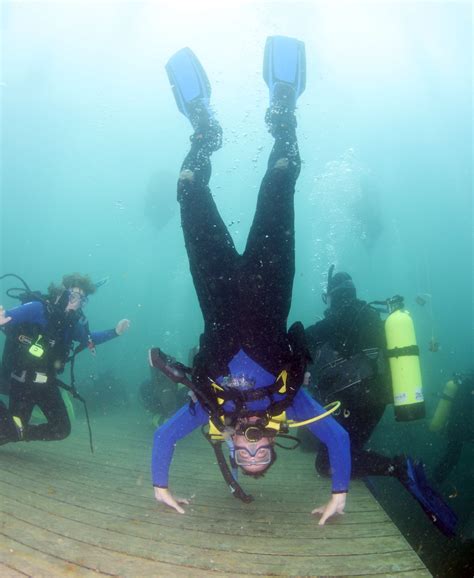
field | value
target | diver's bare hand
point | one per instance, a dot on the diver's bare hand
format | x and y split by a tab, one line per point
122	326
336	505
3	320
164	496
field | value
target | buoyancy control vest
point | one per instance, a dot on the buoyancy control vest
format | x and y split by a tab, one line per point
213	399
35	349
295	364
351	352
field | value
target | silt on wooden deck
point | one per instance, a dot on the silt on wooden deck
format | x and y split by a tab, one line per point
66	512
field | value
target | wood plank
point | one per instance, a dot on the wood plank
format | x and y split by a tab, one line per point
109	554
73	513
35	563
180	474
139	528
78	493
92	557
8	572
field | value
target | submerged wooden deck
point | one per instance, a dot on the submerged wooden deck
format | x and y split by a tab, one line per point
66	512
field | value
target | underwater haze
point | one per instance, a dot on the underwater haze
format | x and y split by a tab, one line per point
92	144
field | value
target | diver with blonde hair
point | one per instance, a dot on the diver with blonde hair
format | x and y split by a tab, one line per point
40	337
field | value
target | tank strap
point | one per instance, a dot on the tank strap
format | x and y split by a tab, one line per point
403	351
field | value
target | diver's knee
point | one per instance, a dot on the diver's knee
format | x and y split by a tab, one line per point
286	168
282	164
186	176
61	431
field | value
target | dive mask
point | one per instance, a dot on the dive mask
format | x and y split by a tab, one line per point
245	456
75	296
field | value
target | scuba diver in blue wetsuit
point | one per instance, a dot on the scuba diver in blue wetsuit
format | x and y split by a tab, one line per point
39	342
246	378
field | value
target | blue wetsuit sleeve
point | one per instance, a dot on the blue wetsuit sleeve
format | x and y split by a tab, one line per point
80	334
32	312
182	423
333	435
99	337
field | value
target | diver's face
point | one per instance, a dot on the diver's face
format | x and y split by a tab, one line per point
253	457
76	299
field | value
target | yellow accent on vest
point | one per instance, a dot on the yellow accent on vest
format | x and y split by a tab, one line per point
217	388
275	422
214	433
283	376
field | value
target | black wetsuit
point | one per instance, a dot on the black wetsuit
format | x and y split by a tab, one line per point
460	427
351	338
245	299
33	379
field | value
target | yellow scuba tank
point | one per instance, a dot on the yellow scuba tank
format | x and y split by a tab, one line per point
404	360
443	409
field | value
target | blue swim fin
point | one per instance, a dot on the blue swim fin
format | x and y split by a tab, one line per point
284	63
192	92
432	503
189	81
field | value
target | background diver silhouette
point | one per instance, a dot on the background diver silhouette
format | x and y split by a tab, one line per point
349	353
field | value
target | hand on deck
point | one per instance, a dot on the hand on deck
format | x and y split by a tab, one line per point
164	496
335	505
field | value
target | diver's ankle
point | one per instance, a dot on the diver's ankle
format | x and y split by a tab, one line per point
208	136
281	123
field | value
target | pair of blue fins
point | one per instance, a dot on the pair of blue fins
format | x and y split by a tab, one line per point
284	65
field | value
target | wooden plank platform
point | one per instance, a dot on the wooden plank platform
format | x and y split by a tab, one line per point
67	512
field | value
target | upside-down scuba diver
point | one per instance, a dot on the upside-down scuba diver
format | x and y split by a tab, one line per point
248	372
